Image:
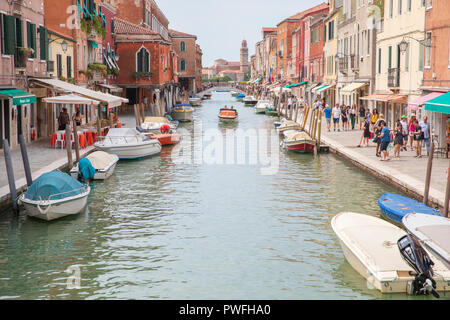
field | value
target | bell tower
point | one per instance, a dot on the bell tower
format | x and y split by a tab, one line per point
244	57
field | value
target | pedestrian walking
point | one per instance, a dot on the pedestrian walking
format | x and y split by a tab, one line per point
374	118
327	113
366	133
344	116
426	133
353	116
418	138
404	123
362	116
385	138
399	136
336	117
411	130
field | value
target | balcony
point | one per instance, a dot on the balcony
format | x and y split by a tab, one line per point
50	66
393	77
343	65
354	63
20	59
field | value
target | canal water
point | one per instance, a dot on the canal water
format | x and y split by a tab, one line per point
159	229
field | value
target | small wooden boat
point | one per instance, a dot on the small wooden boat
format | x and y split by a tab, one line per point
433	232
299	141
370	247
395	207
277	124
182	112
128	143
195	101
288	125
262	106
154	124
228	115
250	101
55	195
103	164
166	139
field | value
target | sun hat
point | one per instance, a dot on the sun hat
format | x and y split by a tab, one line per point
404	117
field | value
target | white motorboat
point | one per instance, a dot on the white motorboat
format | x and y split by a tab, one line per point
262	106
370	246
153	124
250	100
288	125
55	195
103	163
182	112
195	101
433	232
128	143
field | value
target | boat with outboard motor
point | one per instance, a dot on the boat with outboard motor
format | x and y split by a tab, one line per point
182	112
395	207
154	124
262	106
288	125
271	112
98	165
55	195
370	245
234	93
250	101
298	141
433	232
195	101
228	115
240	97
128	143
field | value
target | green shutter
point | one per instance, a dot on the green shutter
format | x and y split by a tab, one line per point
325	33
28	34
10	35
2	32
33	40
379	60
19	33
390	58
146	62
69	67
42	43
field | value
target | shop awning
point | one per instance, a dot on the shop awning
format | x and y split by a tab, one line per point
111	87
440	104
325	87
111	101
296	84
19	97
422	100
352	87
258	80
93	44
314	87
71	99
396	98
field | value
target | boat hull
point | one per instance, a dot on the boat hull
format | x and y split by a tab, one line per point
195	102
271	113
52	210
128	152
184	116
300	146
99	174
167	139
260	111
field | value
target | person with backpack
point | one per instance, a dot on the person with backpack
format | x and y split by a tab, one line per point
385	137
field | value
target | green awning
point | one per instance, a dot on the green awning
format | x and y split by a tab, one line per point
19	97
93	44
440	104
296	84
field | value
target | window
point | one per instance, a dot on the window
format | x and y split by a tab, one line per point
183	65
143	61
379	60
8	35
31	38
19	33
69	67
390	58
421	56
183	46
400	2
428	44
409	6
79	57
429	4
59	65
391	8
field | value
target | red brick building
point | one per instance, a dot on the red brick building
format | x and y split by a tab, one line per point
185	46
316	50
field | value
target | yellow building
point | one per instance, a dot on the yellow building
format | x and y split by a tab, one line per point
399	68
61	57
330	51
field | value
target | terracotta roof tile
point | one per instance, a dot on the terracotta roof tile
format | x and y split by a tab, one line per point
126	27
302	14
175	33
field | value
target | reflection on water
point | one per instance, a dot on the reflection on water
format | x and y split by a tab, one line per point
160	230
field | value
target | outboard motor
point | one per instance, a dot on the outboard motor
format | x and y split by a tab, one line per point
414	254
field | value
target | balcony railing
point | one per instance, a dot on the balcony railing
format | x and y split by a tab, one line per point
50	66
20	58
354	62
393	77
343	65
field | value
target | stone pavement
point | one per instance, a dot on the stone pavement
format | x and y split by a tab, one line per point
408	173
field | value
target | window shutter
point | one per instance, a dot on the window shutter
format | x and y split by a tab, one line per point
42	43
59	65
325	33
390	58
139	61
10	35
146	62
69	67
33	40
28	34
2	32
19	33
112	25
47	54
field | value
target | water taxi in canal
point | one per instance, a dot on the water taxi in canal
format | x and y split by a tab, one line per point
288	125
182	112
370	246
395	207
433	232
102	162
128	143
55	195
262	106
228	115
250	101
298	141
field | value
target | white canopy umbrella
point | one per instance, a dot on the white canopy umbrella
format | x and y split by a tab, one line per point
71	99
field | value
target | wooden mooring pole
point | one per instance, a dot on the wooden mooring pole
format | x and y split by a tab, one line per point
69	147
10	173
428	176
26	162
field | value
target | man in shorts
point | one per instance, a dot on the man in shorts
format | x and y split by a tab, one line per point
327	113
385	137
336	117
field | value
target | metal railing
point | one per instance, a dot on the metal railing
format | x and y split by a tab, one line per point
354	62
393	77
121	140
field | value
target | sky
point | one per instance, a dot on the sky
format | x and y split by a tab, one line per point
220	26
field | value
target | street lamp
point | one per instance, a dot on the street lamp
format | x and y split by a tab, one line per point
64	46
403	45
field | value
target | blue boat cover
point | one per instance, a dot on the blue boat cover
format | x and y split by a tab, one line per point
55	185
395	207
182	105
240	96
86	169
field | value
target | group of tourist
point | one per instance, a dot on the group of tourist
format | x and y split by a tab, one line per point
374	126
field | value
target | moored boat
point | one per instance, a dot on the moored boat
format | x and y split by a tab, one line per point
271	112
370	246
102	162
433	232
182	112
195	101
167	139
288	125
234	93
154	124
299	141
262	106
55	195
277	124
250	101
206	96
128	143
228	115
240	97
395	207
